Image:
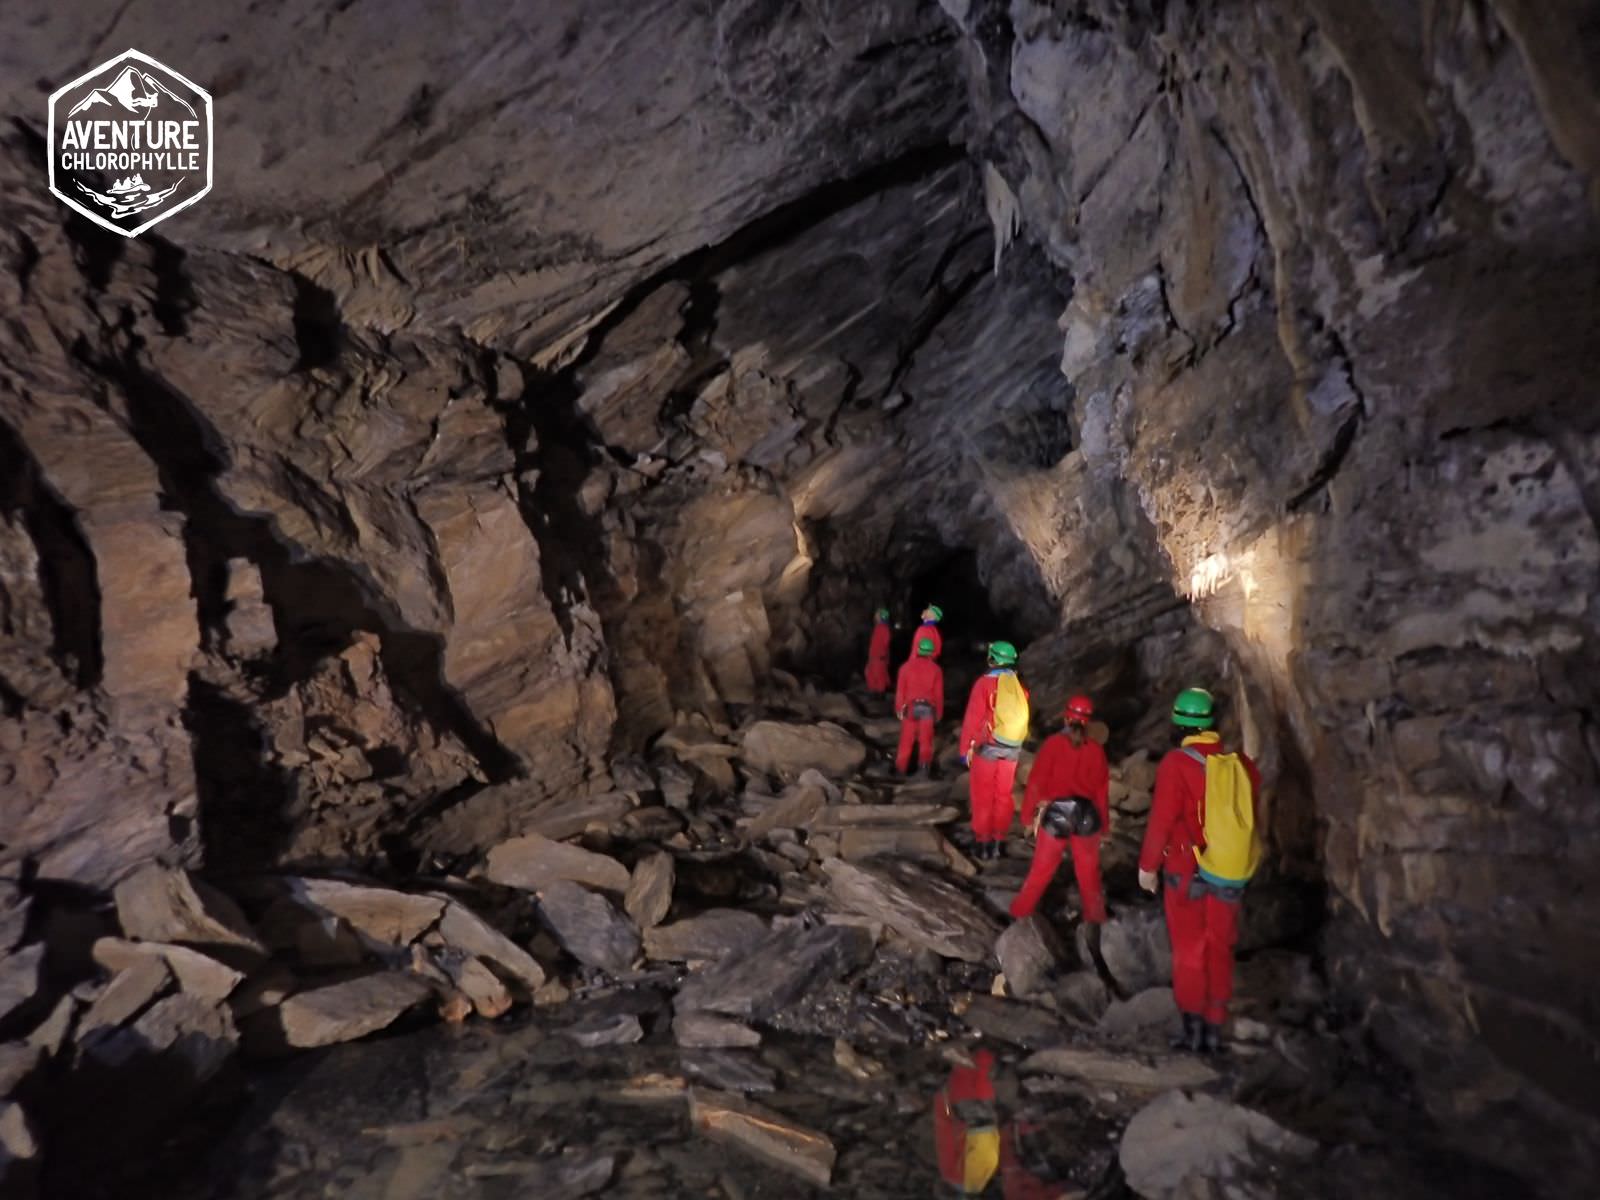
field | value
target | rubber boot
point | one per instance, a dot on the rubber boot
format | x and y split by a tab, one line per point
1190	1036
1210	1038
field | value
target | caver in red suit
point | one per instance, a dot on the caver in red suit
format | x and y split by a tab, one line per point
992	766
1202	921
918	702
926	630
1070	763
878	655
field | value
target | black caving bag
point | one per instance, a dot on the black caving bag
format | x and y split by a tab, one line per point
1071	816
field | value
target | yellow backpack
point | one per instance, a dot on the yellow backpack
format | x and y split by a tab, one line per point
1228	819
1010	710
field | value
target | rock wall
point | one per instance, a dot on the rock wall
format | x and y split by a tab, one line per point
1333	316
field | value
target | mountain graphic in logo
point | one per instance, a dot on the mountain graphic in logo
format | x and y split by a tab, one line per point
129	143
133	90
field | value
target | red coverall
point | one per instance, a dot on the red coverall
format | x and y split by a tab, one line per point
1063	769
989	779
1203	928
931	632
878	658
920	679
966	1085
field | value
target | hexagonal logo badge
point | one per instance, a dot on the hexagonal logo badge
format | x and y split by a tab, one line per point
130	143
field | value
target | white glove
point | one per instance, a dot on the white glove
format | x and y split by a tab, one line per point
1147	880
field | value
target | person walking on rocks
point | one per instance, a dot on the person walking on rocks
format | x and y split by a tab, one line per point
931	616
1202	838
992	733
1068	803
918	702
878	654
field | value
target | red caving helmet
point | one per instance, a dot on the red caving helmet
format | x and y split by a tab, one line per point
1079	710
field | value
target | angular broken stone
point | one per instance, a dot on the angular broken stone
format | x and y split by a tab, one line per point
703	1031
1153	1008
1179	1142
759	982
1133	944
51	1033
1081	995
798	808
649	894
708	937
787	750
165	904
19	977
267	986
198	974
490	997
588	927
926	911
128	992
762	1134
310	937
381	916
1030	954
466	931
1108	1068
533	861
342	1012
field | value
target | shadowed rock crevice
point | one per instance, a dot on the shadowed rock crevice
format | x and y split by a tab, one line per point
66	565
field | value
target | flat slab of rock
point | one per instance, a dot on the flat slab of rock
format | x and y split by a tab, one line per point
781	748
1030	954
165	904
465	930
128	992
1106	1068
926	911
588	926
533	861
1178	1142
839	816
711	936
345	1011
762	1134
380	915
1014	1022
759	982
198	975
703	1031
916	843
1081	995
649	894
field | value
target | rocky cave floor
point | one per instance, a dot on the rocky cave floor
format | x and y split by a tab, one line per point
746	973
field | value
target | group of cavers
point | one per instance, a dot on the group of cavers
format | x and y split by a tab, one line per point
1200	844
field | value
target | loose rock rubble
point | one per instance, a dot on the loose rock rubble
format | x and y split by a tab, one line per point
735	941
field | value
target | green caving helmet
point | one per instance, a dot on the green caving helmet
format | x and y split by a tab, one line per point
934	613
1192	708
925	647
1002	654
882	614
